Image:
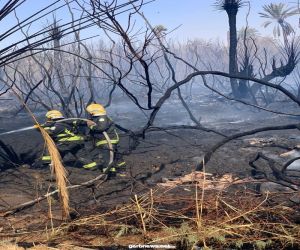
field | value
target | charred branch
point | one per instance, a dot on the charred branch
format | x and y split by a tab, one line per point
280	176
210	152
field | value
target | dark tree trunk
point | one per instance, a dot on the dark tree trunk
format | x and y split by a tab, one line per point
60	77
233	49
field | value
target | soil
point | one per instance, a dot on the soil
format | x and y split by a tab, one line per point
160	155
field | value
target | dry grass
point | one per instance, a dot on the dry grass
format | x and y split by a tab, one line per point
9	246
183	215
171	215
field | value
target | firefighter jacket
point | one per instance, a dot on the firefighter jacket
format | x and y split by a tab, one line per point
62	132
103	124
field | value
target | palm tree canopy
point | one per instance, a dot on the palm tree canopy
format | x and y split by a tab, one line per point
160	29
250	32
228	5
278	13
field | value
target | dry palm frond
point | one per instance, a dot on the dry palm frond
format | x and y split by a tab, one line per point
56	165
58	169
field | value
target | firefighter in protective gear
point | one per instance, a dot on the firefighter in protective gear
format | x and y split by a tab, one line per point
63	134
100	123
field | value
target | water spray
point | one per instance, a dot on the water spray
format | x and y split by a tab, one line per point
17	130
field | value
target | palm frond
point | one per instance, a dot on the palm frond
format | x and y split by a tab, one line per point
266	24
264	15
229	4
288	29
277	31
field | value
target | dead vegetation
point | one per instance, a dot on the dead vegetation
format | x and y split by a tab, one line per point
196	210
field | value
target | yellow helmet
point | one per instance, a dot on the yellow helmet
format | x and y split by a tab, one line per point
96	109
54	114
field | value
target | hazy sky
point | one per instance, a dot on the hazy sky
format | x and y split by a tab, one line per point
199	18
196	18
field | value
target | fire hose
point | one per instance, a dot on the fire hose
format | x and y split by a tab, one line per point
111	151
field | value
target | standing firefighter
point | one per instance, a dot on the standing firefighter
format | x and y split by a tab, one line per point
100	123
63	134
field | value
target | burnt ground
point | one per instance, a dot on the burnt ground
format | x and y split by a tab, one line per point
160	155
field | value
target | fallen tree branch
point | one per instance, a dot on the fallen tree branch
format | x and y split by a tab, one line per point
29	204
281	178
285	166
175	127
211	151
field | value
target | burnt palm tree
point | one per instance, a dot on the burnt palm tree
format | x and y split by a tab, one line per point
231	7
277	14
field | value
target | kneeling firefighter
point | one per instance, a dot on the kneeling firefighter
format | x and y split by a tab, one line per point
100	154
63	134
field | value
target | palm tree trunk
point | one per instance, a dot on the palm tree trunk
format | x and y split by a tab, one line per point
285	35
233	49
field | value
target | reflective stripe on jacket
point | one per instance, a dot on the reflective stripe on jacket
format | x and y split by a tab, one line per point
113	141
62	132
68	136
